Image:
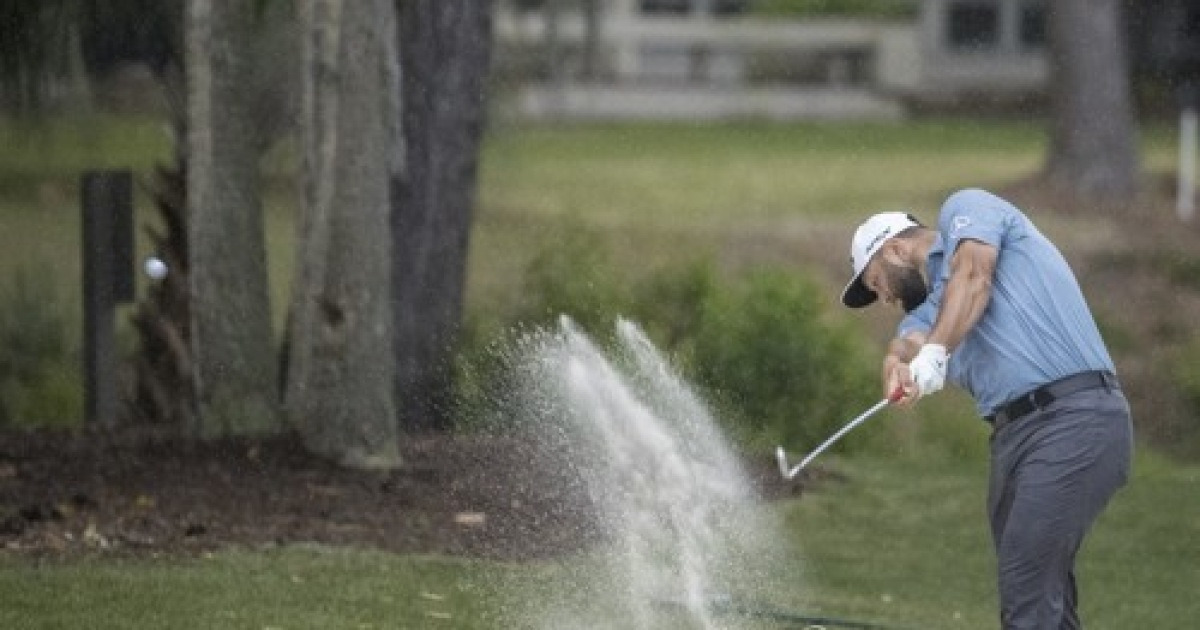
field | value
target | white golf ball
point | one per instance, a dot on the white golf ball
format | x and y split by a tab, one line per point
155	268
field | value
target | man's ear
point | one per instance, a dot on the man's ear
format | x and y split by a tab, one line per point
893	251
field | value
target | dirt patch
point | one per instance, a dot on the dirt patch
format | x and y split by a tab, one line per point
497	497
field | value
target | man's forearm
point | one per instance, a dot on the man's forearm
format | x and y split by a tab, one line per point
961	310
905	348
968	291
900	351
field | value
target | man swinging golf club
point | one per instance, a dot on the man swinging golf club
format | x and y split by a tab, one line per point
991	305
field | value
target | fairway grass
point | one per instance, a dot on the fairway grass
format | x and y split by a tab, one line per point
298	587
898	542
724	174
910	544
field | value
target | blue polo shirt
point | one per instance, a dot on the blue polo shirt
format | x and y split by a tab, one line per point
1037	327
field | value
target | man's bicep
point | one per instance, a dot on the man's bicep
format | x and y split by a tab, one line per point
974	256
977	248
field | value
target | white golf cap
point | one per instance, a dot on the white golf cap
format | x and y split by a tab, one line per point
869	237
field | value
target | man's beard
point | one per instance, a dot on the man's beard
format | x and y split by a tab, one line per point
909	286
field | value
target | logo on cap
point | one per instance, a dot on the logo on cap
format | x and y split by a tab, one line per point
878	237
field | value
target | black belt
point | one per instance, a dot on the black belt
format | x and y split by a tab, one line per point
1041	397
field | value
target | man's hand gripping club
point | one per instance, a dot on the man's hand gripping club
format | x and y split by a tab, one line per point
927	370
923	374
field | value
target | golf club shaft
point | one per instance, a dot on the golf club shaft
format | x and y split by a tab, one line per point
896	395
836	436
781	456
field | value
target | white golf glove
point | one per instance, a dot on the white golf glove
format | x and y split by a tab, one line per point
928	368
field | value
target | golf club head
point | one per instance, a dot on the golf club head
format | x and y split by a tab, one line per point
781	459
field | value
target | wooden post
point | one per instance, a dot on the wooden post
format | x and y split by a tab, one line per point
107	207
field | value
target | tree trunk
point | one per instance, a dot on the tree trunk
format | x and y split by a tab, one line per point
1093	144
446	46
593	18
555	50
339	382
233	349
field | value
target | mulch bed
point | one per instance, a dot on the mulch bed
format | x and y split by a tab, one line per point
480	496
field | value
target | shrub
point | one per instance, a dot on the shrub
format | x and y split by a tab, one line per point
766	351
572	275
669	304
483	377
1185	372
760	348
39	384
55	399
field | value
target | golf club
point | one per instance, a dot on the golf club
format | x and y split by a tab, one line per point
781	457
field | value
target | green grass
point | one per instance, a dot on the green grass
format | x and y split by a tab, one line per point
909	543
743	193
60	148
283	588
901	542
877	9
672	174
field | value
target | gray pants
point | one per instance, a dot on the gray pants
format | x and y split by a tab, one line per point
1053	471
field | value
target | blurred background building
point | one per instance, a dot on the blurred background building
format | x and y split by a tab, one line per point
703	59
720	58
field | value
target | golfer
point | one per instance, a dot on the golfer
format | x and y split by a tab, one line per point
991	305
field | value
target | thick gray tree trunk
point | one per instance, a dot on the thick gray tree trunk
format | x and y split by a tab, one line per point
233	349
339	383
1093	140
446	47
